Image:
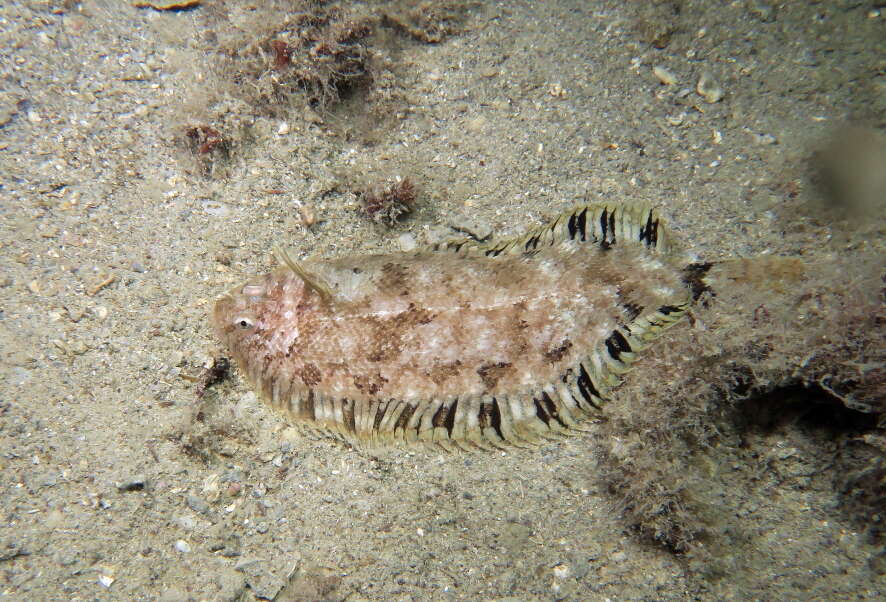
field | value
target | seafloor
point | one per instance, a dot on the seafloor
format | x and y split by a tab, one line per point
117	230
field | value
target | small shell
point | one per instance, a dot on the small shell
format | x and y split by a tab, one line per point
307	215
709	89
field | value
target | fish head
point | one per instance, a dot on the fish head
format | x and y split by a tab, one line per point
262	315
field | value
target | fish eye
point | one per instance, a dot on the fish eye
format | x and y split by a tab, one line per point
243	323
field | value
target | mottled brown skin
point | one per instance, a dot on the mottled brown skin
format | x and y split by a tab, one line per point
436	325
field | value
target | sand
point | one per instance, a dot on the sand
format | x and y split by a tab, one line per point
120	482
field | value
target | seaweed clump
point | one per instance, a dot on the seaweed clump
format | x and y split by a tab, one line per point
675	453
208	145
429	22
281	50
321	55
386	204
285	58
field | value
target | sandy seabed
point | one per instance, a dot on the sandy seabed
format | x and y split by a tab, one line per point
118	482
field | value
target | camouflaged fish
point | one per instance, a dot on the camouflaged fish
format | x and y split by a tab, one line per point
462	345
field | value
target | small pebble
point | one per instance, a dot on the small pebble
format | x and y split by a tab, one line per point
75	314
246	564
676	120
182	546
476	125
136	483
406	242
197	504
556	90
176	358
283	129
186	522
75	24
307	215
763	10
708	88
664	75
11	549
105	580
216	209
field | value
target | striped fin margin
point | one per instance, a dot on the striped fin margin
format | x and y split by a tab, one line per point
483	422
602	224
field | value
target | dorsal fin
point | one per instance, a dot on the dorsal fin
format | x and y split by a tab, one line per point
312	281
601	224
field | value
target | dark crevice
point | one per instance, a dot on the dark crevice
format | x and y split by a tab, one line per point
809	407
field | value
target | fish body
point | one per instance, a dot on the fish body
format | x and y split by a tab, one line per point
461	345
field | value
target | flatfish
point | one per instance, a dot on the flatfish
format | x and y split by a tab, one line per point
462	345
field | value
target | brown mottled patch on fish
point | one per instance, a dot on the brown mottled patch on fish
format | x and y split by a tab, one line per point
556	354
490	374
464	344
